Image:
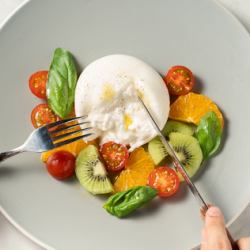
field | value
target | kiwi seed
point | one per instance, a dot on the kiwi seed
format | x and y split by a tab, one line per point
188	151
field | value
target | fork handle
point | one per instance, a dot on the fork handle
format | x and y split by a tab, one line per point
8	154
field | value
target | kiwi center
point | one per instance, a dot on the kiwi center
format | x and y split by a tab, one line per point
98	169
184	156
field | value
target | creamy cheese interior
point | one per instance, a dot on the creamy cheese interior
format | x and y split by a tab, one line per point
107	91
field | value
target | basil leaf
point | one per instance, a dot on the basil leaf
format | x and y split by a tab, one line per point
61	83
123	203
209	133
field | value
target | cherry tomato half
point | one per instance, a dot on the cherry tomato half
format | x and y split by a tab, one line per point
42	114
165	180
37	83
61	165
179	80
115	156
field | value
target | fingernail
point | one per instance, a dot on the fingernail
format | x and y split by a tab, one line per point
214	212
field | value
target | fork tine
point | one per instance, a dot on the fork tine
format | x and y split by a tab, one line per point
67	128
51	125
58	144
70	133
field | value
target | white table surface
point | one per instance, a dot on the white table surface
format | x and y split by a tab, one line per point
10	237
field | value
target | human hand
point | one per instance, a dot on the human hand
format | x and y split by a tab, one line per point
214	235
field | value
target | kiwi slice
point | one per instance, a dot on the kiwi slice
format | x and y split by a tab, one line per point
188	151
155	146
91	172
180	127
157	150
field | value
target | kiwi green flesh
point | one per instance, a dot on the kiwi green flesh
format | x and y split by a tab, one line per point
180	127
188	151
157	150
91	172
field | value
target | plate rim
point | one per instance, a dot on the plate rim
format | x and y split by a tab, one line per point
23	231
12	13
4	213
34	238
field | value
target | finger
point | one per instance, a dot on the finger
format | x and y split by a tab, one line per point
215	230
244	243
203	240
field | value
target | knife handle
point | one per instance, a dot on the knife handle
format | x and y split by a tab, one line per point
232	241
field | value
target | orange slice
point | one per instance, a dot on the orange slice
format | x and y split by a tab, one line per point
191	107
136	172
74	148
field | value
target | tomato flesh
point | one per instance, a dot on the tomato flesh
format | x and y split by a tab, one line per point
164	180
114	155
37	83
179	80
42	114
61	165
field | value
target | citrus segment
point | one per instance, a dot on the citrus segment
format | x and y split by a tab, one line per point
192	107
136	172
74	148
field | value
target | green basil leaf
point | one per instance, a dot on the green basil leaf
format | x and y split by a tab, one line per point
61	83
123	203
209	133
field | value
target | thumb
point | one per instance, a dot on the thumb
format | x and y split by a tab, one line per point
215	236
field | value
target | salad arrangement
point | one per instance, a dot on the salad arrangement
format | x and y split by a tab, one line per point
132	179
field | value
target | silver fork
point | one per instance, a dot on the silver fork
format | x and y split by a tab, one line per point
51	136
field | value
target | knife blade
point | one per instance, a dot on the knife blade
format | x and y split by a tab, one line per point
203	205
175	160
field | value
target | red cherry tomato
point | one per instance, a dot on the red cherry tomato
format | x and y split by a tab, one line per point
165	180
115	156
61	165
37	83
179	80
42	114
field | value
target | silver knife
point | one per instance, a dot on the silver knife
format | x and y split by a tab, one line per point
203	205
177	163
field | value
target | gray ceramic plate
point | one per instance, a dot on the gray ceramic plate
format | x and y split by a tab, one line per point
198	34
